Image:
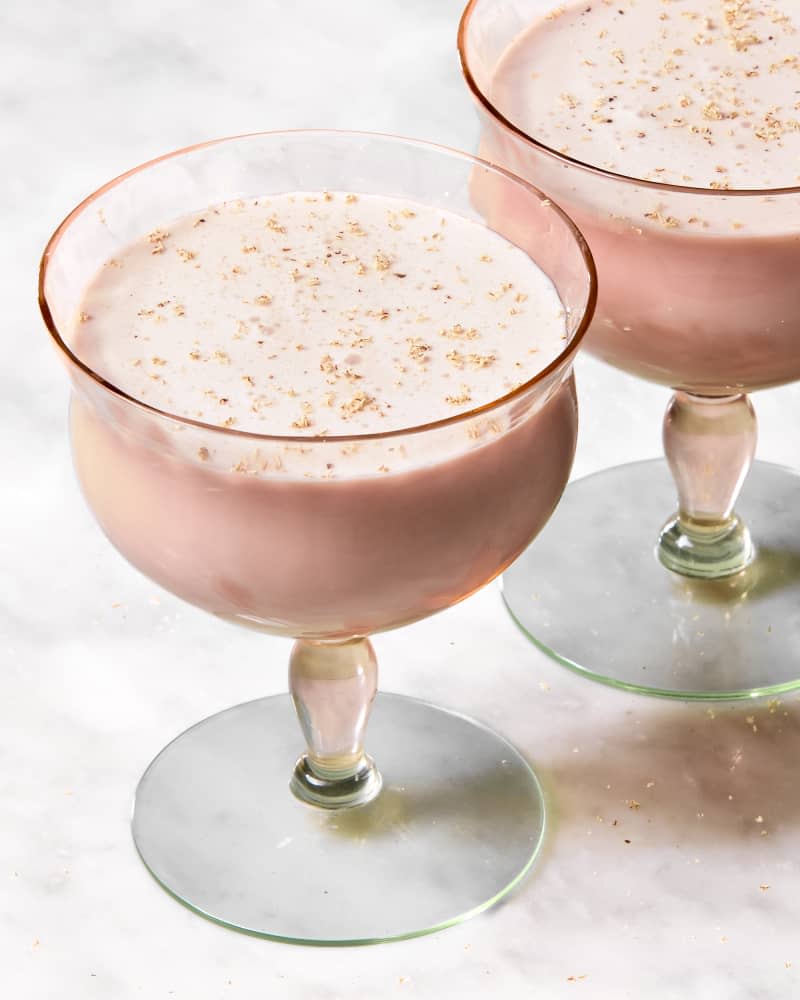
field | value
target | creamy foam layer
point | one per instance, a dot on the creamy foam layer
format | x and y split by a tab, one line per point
319	314
682	92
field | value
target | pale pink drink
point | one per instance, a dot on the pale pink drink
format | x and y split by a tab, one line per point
696	103
312	317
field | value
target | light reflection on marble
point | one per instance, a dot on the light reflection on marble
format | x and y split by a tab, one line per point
98	669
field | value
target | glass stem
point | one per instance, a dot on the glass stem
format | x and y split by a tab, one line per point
333	685
709	443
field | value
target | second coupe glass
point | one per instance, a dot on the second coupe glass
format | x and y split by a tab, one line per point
699	291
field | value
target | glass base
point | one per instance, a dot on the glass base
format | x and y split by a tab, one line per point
591	592
457	824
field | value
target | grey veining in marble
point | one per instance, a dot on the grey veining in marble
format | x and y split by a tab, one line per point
670	869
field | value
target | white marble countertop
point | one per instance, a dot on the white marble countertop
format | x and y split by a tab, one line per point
98	669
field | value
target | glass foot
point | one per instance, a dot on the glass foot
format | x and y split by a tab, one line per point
457	824
591	592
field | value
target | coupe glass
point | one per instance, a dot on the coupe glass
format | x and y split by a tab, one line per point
699	291
327	553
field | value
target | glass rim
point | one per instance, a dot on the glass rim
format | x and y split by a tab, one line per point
612	175
484	408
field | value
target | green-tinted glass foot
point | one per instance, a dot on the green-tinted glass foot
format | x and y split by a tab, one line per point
458	822
592	593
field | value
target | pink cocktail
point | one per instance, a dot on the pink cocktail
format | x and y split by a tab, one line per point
315	393
669	135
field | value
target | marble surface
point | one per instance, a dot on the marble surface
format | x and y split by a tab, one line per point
98	668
